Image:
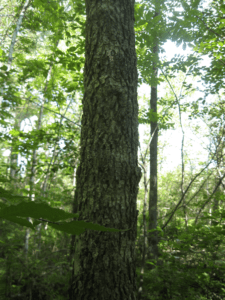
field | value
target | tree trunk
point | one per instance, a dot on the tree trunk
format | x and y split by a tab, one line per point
108	174
153	193
145	236
14	168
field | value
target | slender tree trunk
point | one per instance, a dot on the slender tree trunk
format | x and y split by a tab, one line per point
14	168
108	174
215	201
14	156
13	41
145	236
34	163
153	194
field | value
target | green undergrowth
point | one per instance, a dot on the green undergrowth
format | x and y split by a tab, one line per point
193	266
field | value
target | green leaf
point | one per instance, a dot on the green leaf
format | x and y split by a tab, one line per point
42	210
35	210
20	221
78	227
72	49
4	68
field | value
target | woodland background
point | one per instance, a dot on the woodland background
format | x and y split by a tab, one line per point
41	90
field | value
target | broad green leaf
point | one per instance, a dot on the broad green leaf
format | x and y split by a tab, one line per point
20	221
78	227
35	210
42	210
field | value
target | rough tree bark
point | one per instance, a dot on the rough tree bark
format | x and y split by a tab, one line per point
108	175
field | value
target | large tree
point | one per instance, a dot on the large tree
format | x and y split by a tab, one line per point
108	174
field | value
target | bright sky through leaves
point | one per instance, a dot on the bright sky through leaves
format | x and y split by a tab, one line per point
172	153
